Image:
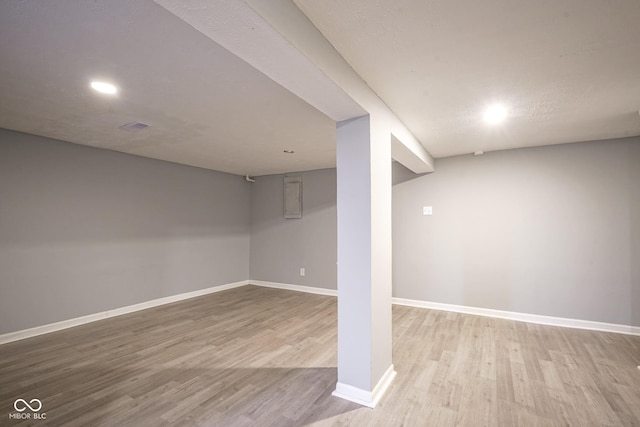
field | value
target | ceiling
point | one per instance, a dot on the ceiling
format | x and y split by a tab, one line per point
567	70
206	107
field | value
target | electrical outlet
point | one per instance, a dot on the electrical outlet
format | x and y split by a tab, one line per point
427	210
302	272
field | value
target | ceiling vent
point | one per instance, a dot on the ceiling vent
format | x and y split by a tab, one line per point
134	126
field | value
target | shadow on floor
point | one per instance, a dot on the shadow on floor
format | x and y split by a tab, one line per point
97	394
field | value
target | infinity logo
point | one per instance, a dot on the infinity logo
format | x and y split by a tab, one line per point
26	405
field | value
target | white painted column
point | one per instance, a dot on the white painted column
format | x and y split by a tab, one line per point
365	369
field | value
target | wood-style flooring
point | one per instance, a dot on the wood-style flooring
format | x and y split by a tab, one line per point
256	356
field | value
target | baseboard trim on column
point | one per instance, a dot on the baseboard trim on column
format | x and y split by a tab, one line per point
364	397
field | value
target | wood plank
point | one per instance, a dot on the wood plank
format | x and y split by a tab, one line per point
259	356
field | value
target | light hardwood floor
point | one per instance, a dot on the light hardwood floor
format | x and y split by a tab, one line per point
267	357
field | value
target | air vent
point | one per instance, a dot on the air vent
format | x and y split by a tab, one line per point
134	126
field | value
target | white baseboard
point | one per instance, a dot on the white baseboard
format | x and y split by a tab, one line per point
364	397
298	288
510	315
52	327
522	317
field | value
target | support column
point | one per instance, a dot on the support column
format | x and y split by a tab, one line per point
365	369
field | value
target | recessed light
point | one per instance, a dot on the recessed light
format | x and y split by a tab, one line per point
289	151
495	114
104	87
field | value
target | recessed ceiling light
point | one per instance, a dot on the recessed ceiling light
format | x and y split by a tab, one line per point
494	114
289	151
104	87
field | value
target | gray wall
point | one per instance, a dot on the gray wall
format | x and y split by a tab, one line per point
84	230
633	190
279	247
550	231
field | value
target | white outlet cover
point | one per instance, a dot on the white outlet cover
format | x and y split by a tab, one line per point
427	210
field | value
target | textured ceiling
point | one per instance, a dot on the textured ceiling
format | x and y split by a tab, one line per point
568	70
206	107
